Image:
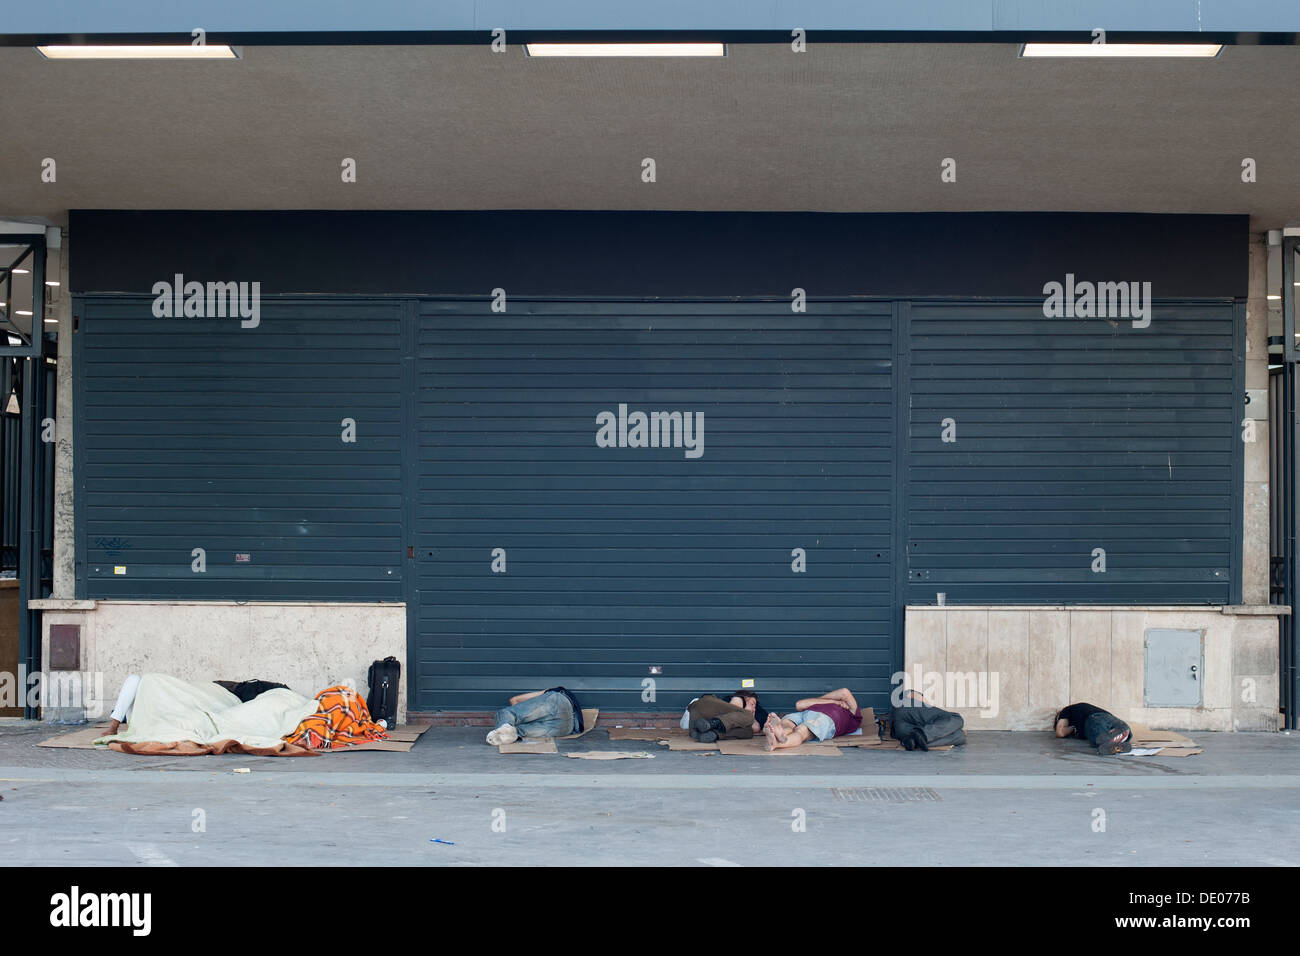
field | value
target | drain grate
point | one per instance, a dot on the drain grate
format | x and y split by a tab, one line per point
885	794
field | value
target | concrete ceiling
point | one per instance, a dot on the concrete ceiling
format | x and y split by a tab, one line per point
842	127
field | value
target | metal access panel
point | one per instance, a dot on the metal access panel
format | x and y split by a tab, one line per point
1175	664
640	577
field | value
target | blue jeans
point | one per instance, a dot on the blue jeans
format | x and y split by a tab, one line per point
822	727
1101	727
550	715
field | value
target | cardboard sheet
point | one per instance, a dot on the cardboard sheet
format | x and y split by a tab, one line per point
1162	752
757	748
646	733
866	742
401	740
610	755
391	746
686	743
80	739
408	731
529	745
589	716
1144	736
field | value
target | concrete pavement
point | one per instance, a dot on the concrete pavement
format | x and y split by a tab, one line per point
1004	799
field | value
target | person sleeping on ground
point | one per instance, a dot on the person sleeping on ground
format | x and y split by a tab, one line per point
738	716
834	714
541	713
919	725
245	690
1101	728
166	715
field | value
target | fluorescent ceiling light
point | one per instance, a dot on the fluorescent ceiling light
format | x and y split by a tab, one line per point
20	272
626	49
1121	49
1275	297
51	282
23	312
180	51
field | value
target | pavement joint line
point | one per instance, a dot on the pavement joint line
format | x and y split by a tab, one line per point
661	781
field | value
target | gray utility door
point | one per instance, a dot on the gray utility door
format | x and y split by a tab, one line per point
622	559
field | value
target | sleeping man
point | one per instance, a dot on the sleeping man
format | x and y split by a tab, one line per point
1101	728
834	714
540	713
735	716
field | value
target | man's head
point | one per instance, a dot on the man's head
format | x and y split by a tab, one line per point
746	699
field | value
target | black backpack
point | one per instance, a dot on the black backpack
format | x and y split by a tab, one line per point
382	702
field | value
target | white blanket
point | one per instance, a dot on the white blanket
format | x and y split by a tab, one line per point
168	710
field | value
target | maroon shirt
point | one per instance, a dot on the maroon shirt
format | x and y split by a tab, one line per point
845	723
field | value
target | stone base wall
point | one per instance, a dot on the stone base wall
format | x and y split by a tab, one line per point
307	646
1045	657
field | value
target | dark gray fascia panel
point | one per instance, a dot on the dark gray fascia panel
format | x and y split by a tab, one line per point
94	18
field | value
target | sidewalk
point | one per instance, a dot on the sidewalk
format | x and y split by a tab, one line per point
1004	799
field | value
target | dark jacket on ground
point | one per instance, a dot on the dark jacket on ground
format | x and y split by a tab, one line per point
921	726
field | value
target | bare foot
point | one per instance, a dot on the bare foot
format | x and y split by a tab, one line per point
112	727
775	727
769	739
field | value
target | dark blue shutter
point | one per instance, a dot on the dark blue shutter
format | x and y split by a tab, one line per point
1072	434
197	433
620	559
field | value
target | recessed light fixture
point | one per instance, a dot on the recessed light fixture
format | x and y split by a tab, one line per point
20	272
179	51
1275	297
23	312
51	321
51	282
1121	49
626	49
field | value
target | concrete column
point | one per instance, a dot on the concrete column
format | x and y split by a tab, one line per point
1254	558
64	552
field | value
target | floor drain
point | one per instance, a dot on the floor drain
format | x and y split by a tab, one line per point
885	794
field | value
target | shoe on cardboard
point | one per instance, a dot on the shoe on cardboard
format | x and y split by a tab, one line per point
505	734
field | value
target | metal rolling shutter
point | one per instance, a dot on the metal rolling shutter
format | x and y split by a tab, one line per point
199	433
1072	435
620	559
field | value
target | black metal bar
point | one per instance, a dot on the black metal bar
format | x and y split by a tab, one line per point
1286	499
1288	632
8	471
49	389
30	522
